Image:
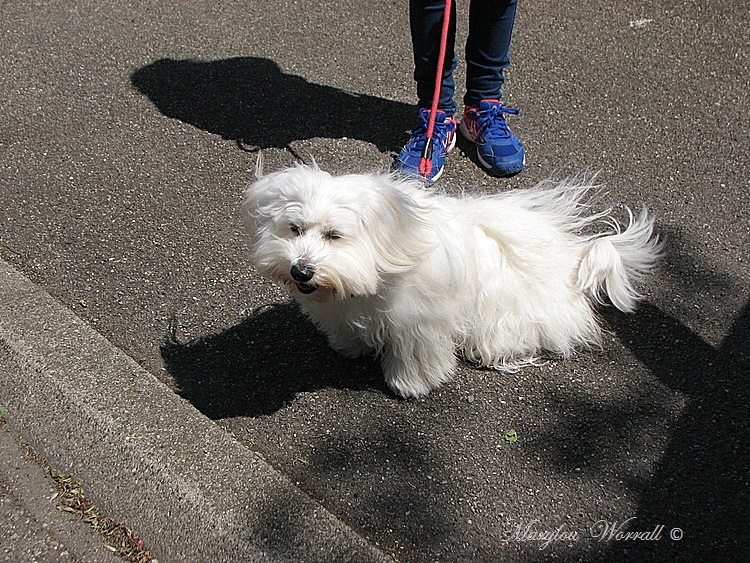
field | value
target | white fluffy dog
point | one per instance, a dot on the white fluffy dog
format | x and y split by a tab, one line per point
382	266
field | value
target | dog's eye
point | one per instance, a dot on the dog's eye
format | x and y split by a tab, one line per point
333	235
296	229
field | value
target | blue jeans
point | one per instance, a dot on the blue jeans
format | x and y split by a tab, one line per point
487	46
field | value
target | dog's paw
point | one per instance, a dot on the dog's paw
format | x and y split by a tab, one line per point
415	378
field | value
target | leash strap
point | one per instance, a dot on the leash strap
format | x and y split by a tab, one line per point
425	162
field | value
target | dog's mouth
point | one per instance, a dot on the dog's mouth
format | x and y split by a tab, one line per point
305	288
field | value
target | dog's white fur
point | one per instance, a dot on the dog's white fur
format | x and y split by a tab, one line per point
414	276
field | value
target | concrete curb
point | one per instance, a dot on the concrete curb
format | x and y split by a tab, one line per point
31	528
146	456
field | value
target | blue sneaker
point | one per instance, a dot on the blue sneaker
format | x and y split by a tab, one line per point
498	149
444	139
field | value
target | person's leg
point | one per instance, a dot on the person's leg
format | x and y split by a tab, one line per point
490	30
487	48
426	21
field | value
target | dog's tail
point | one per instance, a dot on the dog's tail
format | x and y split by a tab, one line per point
614	264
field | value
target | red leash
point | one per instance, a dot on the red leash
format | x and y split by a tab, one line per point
425	163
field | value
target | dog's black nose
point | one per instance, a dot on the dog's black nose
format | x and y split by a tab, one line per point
302	273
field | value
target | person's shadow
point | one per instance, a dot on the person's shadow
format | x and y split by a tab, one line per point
251	101
700	483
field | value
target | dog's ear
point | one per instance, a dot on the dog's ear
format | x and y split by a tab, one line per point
260	204
398	225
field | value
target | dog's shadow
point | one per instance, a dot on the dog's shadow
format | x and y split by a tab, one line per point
260	365
251	101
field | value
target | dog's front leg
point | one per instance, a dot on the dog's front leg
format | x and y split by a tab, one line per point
347	343
418	362
342	337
